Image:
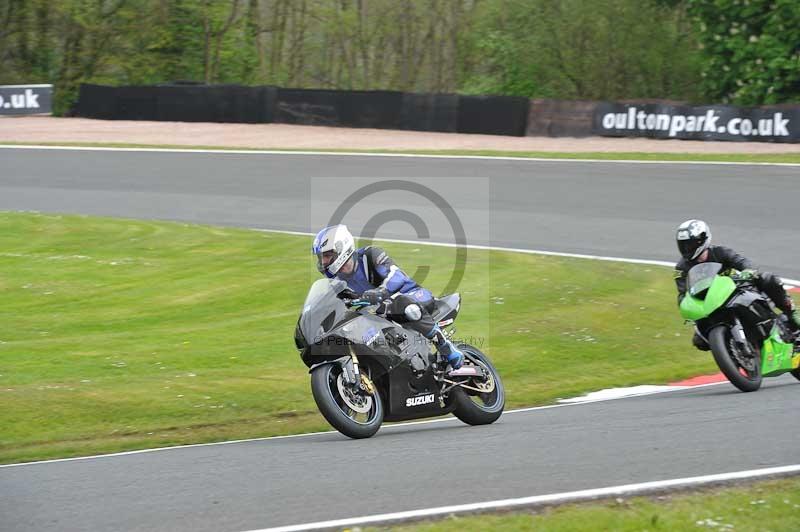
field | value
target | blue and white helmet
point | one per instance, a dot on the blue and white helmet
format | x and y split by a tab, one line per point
694	237
333	247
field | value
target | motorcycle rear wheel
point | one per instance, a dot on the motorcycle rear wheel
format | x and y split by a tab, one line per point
721	341
325	387
475	408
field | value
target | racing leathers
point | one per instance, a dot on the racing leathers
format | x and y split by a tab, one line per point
377	278
768	283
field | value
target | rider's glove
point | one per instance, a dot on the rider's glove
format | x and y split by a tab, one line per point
748	274
347	294
375	295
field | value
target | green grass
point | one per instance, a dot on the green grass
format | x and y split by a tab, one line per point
118	334
771	505
788	157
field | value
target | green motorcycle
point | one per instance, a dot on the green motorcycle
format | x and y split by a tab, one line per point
748	338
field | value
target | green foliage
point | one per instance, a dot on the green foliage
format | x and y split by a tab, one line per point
585	49
121	334
751	48
765	505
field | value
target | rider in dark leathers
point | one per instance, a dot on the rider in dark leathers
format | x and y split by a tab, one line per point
694	243
372	275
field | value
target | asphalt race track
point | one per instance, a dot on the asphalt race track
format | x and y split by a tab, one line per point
611	209
625	210
250	485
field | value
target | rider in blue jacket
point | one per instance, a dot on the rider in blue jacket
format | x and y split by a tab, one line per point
373	276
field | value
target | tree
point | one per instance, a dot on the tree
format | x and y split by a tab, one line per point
751	49
588	49
536	48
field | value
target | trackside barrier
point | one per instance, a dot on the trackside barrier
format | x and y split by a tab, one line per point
560	118
495	115
180	103
492	115
430	112
707	122
373	109
19	100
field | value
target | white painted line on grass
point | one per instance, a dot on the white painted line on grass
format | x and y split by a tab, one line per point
385	427
650	262
494	248
789	282
382	154
410	423
537	500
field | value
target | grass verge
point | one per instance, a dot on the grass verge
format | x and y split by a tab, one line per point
770	505
119	334
788	157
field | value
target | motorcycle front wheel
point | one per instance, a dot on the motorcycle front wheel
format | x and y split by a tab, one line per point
351	411
725	349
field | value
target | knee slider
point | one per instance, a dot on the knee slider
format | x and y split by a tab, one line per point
413	312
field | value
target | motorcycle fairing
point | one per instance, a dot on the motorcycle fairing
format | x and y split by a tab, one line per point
399	360
718	293
776	355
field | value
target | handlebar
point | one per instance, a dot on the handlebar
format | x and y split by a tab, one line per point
356	302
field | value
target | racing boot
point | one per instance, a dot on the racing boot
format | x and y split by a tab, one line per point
445	347
794	325
793	321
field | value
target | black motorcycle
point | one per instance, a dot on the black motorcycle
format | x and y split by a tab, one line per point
366	369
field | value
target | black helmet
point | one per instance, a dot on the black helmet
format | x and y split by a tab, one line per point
694	237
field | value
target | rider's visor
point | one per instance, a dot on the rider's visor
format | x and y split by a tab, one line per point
325	259
688	248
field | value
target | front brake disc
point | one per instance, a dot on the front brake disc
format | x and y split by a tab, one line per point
354	400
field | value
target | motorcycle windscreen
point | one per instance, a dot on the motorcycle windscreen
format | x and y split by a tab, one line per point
322	309
707	292
701	277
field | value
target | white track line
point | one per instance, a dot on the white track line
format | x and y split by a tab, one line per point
666	389
379	154
553	498
438	420
441	244
650	262
493	248
397	241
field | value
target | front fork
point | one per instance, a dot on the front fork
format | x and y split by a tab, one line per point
739	336
351	373
737	331
364	382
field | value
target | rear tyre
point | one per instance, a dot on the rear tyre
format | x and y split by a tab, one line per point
723	347
471	406
327	389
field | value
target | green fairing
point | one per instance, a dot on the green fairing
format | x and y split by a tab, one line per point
720	291
776	355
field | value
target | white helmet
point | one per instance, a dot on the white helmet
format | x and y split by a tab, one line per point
694	237
333	247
